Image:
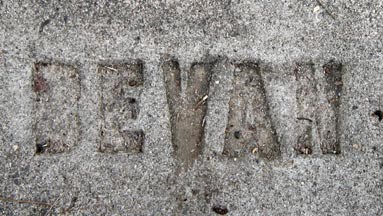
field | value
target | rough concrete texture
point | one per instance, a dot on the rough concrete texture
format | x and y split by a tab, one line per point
153	180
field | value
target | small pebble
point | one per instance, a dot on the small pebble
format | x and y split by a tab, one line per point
255	150
15	147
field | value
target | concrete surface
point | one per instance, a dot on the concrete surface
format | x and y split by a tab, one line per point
277	35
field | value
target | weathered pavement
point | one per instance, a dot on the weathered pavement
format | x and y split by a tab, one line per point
191	108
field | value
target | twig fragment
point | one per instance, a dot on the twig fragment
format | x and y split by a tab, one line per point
325	9
50	209
303	118
203	100
110	68
4	199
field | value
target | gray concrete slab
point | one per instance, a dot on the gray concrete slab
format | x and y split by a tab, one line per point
151	179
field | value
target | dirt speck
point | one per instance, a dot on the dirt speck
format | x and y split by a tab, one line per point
219	209
378	114
40	84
